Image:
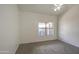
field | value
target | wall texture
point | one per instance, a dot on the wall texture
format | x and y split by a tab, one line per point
9	28
69	26
29	30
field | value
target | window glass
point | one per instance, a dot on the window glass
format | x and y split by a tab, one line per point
45	29
41	25
49	25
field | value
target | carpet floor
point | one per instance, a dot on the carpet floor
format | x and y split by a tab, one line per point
47	47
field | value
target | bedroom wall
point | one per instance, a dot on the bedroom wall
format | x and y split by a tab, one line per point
69	26
29	30
9	28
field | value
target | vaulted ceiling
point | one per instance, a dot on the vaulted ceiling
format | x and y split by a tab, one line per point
44	8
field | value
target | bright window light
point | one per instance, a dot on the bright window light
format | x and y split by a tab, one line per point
45	29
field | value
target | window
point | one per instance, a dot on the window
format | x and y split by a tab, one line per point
45	29
41	29
49	29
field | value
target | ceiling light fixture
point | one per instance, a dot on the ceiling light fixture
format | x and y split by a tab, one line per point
57	7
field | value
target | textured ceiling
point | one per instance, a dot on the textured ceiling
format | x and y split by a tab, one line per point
44	8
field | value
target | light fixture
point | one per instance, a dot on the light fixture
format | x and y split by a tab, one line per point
57	7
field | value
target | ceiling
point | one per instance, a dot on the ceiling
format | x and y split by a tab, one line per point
44	8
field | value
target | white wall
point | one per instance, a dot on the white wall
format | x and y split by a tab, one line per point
29	30
69	26
9	28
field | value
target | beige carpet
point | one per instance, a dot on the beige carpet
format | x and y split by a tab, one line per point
48	47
